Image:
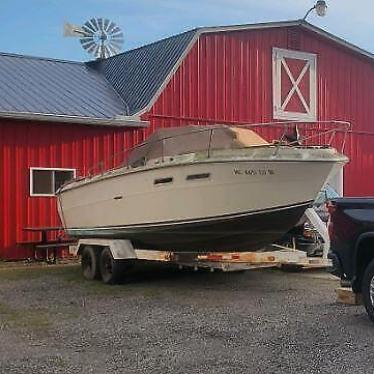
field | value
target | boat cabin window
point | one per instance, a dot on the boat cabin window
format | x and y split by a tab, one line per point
46	181
198	176
163	180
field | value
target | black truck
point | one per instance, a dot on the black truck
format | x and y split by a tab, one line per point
351	228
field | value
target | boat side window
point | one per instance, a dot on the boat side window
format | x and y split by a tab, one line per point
46	181
163	180
198	176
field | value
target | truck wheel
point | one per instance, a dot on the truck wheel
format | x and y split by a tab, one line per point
368	290
90	263
111	269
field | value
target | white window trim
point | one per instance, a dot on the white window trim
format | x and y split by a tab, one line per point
53	181
279	55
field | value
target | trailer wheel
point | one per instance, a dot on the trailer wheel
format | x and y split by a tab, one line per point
111	270
368	290
90	263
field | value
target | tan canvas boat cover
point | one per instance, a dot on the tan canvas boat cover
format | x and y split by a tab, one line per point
188	139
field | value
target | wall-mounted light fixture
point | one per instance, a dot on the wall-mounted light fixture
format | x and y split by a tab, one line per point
320	7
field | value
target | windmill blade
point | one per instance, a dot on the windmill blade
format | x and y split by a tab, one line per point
101	51
88	31
116	38
95	24
115	30
89	47
100	22
118	41
87	39
87	25
92	48
117	46
96	51
105	52
111	27
111	50
118	35
87	43
106	24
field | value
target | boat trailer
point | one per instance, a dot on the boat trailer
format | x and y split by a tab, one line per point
109	259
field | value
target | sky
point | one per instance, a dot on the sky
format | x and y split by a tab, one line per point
35	27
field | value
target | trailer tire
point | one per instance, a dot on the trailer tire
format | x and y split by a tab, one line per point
111	270
367	290
90	263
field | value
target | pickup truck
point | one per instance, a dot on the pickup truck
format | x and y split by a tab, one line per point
351	231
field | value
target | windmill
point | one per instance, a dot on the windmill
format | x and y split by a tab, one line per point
99	36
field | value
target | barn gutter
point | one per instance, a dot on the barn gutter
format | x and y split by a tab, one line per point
119	121
196	119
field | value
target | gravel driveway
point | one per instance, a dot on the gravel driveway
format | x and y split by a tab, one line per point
164	321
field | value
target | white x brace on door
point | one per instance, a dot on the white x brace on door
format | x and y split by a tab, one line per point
294	85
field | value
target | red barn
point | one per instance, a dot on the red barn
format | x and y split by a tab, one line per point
60	118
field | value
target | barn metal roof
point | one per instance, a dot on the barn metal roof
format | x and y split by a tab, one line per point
41	88
114	91
138	74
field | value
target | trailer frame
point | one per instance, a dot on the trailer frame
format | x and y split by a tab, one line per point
123	252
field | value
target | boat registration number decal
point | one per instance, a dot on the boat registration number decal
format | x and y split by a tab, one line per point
254	172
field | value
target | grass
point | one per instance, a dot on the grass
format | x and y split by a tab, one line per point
34	271
31	319
70	274
59	362
147	284
73	277
20	274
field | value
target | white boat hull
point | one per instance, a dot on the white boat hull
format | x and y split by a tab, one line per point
239	203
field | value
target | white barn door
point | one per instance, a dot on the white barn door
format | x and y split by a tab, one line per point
294	85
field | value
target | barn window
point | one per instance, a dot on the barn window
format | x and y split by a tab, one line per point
294	85
46	181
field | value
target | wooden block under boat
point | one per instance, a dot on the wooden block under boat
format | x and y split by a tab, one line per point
347	296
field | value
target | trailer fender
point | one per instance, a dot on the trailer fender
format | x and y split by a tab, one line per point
119	248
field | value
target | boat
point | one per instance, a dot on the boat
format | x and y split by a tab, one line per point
200	189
